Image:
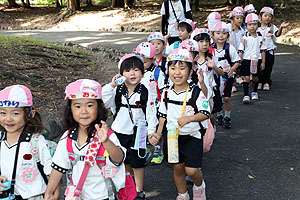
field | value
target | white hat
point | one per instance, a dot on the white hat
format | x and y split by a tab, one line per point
84	89
188	21
267	10
190	45
249	8
199	31
212	19
16	96
252	18
127	56
156	35
235	13
146	50
221	26
180	54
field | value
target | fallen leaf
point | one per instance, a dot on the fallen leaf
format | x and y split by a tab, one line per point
251	177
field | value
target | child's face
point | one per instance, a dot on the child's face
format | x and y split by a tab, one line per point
84	111
204	45
12	120
266	18
159	46
220	37
238	20
179	73
133	76
183	34
148	62
252	27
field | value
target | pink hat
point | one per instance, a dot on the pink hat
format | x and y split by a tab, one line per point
146	50
180	54
252	18
221	26
156	35
127	56
239	8
199	31
212	19
188	21
190	45
84	89
16	96
236	13
249	8
267	10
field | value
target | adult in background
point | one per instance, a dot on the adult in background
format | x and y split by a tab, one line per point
172	12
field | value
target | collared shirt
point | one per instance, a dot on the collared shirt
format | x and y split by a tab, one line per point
268	36
251	46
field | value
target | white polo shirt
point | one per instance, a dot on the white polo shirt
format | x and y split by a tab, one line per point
235	36
94	187
268	36
174	111
25	163
251	45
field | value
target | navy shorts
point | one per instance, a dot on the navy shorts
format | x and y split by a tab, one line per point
245	68
228	87
132	156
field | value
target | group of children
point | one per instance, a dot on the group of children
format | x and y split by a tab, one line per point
171	84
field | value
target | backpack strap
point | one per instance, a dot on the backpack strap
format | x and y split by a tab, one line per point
163	64
211	50
70	150
156	76
183	2
166	3
195	95
227	53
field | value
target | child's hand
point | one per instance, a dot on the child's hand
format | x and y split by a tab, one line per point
262	66
102	132
166	37
113	82
200	76
284	24
154	138
230	72
49	197
210	63
2	180
183	121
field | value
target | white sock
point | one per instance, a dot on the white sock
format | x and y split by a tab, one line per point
199	187
228	113
186	194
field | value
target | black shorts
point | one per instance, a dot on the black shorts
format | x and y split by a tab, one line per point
190	151
245	68
132	156
228	87
218	104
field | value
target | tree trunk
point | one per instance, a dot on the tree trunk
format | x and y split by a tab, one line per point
117	3
58	4
195	6
73	5
89	3
12	4
128	3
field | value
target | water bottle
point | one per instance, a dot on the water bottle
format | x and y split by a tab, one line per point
6	194
253	64
120	80
173	151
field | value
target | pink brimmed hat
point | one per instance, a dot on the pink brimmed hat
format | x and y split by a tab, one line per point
84	89
156	35
188	21
146	50
199	31
180	54
190	45
267	10
221	26
239	8
236	13
249	8
16	96
252	18
212	19
127	56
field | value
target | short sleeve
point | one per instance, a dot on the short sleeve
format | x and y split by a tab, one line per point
162	11
241	46
275	29
203	104
234	55
187	6
44	155
162	111
114	139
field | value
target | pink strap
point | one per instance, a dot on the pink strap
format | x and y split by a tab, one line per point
83	176
69	145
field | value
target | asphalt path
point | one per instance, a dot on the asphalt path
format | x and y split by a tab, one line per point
257	158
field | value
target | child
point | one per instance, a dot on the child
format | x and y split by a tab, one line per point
185	29
158	40
208	64
251	51
189	124
154	81
229	61
84	118
132	103
236	31
173	11
269	32
18	122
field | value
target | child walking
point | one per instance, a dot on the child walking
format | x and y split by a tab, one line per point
269	32
252	52
154	80
84	118
189	124
134	107
229	61
18	122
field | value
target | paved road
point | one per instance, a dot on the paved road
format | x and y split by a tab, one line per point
258	158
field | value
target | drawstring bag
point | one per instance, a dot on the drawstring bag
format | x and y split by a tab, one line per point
140	134
208	137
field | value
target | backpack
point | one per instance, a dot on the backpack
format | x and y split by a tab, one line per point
163	65
35	153
122	90
126	193
227	52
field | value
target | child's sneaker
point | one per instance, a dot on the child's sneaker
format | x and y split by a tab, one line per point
239	80
259	87
182	197
141	196
220	120
246	100
158	156
266	87
227	122
234	88
199	194
254	96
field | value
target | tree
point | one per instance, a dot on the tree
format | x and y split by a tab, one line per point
12	4
195	5
117	3
74	5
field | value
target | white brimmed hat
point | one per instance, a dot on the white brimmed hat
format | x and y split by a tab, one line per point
16	96
84	89
181	55
221	26
267	10
252	18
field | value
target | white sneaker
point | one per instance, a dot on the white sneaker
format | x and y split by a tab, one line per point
254	96
259	86
246	100
266	87
239	80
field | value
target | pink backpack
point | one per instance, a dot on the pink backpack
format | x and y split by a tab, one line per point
126	193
